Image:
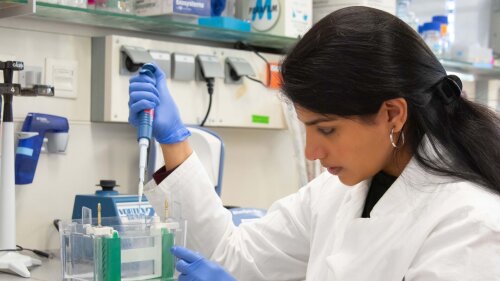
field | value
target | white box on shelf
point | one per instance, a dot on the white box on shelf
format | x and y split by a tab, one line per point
290	18
322	8
173	7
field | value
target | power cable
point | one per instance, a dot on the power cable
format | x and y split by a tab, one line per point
210	88
19	249
255	80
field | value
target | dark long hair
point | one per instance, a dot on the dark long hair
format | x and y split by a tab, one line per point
356	58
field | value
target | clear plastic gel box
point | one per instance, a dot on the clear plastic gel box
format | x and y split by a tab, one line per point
138	250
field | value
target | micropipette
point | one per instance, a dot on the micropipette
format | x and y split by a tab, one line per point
145	132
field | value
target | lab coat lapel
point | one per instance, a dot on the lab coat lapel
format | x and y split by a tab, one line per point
375	248
350	208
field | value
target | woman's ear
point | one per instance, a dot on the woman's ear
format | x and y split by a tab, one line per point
395	112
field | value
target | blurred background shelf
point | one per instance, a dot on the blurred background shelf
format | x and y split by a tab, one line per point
171	27
155	25
481	72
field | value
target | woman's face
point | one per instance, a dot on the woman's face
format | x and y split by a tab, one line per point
352	149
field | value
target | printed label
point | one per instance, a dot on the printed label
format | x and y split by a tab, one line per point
192	7
264	14
130	211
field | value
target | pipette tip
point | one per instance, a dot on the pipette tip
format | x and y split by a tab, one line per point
141	189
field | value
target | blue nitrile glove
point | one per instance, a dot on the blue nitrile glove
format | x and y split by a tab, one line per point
167	124
194	267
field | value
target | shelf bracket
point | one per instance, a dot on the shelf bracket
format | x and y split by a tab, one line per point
18	9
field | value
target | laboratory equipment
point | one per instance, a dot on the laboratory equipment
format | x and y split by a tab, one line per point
445	37
11	260
126	208
99	249
209	148
145	132
37	127
123	208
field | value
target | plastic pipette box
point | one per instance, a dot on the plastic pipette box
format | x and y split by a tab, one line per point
134	251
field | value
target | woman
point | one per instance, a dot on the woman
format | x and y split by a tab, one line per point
413	182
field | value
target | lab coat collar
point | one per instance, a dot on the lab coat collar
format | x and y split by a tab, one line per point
360	241
374	243
413	185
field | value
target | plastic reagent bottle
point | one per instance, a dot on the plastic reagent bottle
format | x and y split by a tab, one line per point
443	21
431	32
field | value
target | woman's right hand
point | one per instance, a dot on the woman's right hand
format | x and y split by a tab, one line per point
145	93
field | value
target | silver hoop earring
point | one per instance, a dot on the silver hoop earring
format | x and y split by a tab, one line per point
401	138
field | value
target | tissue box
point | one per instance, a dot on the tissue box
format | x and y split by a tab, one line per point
290	18
173	7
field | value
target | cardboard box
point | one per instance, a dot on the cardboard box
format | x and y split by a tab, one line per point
173	7
291	18
322	8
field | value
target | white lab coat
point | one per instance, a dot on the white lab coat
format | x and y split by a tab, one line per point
425	228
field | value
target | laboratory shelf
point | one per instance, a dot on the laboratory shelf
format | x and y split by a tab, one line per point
171	27
492	72
155	25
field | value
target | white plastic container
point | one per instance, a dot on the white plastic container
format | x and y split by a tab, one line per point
445	36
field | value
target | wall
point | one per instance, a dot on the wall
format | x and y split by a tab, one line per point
109	151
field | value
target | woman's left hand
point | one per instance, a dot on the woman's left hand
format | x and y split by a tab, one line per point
194	267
